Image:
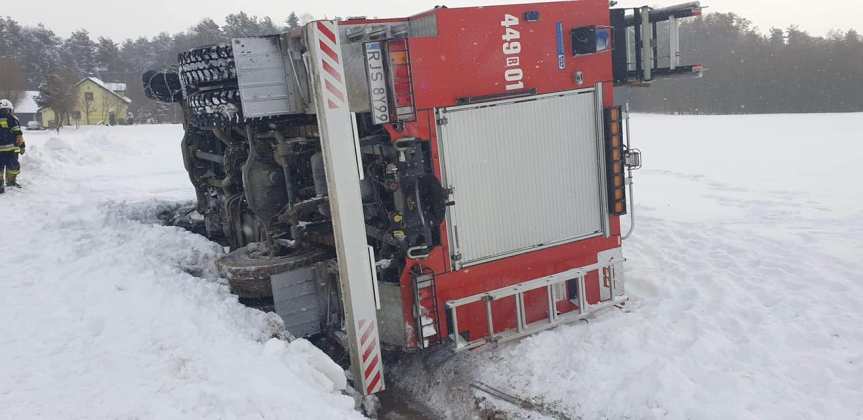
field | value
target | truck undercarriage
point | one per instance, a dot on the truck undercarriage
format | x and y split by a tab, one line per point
261	185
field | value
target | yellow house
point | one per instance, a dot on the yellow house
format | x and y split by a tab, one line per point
98	103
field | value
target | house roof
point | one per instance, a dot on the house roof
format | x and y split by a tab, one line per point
26	104
116	87
107	86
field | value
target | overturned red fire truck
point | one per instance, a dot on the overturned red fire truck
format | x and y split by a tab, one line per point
453	178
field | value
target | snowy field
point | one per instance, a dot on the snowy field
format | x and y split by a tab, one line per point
744	273
101	318
745	278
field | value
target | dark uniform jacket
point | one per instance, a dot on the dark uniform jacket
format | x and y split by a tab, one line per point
10	133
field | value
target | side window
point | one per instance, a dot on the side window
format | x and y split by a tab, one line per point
88	96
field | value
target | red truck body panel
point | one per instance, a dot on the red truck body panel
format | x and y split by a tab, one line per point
467	58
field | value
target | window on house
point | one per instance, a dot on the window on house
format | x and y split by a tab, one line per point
88	96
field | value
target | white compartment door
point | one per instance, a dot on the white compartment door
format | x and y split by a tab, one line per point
526	174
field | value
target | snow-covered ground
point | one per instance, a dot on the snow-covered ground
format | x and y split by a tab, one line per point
744	273
746	278
104	314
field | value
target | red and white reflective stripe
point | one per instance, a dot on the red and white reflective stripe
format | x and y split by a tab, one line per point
331	62
344	174
372	365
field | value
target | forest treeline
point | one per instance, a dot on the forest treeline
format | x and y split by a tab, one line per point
748	71
783	71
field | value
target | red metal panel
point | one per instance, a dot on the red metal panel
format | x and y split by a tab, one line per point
467	57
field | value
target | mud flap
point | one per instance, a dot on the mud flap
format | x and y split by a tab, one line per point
344	173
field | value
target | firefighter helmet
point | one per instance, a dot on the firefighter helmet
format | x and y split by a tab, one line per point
6	104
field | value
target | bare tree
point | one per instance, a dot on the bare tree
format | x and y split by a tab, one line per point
58	93
12	82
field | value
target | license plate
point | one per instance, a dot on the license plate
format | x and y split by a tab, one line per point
378	91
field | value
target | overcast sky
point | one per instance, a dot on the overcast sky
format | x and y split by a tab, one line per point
120	19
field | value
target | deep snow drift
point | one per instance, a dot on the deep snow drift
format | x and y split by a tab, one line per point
745	279
106	314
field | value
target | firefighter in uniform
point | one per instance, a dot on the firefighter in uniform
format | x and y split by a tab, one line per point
11	145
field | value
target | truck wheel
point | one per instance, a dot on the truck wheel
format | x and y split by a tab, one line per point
248	272
211	66
215	108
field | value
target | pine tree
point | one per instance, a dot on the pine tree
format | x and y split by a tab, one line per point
207	32
81	50
10	37
39	52
293	21
241	24
108	59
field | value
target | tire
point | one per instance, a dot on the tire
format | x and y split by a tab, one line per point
212	66
249	274
215	108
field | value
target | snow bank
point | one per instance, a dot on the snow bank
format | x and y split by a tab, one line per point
106	314
745	278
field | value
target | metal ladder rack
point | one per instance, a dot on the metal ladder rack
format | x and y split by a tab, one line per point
523	328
